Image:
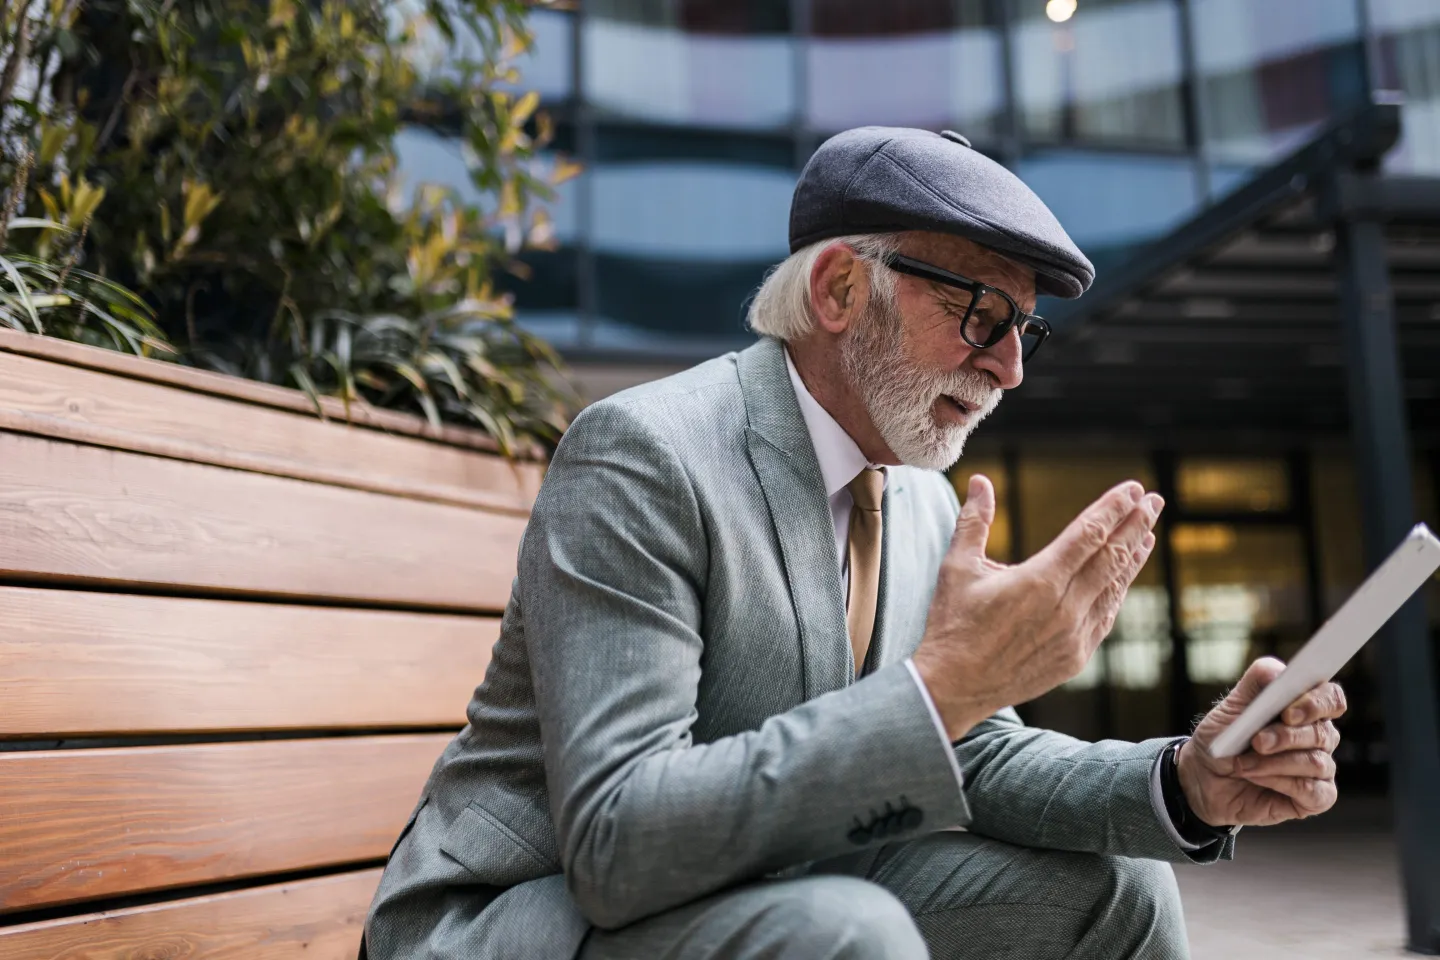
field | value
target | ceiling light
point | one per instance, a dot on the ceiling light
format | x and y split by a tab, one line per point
1060	10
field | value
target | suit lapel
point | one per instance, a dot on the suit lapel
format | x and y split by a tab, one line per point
789	474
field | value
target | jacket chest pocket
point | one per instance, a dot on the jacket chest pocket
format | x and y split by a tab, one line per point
492	851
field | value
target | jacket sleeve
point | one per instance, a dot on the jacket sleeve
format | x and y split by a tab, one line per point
1038	788
613	571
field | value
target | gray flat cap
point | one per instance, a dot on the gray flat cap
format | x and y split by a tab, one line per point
883	179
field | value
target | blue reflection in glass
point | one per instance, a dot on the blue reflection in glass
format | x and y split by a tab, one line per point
1108	202
667	75
1111	73
1408	59
547	66
932	80
1272	73
694	211
428	157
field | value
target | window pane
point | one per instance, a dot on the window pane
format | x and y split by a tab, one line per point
1055	488
1271	73
684	226
692	210
701	63
1109	203
920	63
1339	535
1408	59
1227	486
1242	596
1110	73
548	65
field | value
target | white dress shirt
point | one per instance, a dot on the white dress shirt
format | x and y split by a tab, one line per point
840	462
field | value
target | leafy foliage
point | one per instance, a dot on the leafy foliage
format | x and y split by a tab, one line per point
55	297
235	162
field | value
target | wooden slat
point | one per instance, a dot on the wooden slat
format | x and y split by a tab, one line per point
74	663
318	919
74	403
94	516
81	824
236	388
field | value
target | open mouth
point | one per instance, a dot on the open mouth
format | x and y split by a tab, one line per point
958	405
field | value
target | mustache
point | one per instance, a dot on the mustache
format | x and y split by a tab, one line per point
971	387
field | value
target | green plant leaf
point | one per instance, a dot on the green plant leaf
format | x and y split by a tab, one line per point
22	292
32	223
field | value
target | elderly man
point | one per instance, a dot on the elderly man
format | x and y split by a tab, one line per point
752	692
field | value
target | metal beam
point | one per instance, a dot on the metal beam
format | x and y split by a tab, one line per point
1386	198
1359	137
1407	670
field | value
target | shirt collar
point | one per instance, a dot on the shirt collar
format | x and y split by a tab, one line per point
840	458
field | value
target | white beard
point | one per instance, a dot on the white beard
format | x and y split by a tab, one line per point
900	397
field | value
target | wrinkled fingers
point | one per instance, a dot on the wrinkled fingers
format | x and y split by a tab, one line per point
1279	737
1309	795
1122	556
1317	764
1088	533
1325	702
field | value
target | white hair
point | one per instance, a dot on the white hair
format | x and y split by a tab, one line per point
781	307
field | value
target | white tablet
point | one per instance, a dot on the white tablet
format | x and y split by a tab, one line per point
1341	637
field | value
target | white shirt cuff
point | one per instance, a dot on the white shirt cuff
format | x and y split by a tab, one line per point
1157	800
939	724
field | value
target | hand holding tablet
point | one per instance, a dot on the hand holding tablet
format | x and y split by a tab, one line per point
1291	774
1341	637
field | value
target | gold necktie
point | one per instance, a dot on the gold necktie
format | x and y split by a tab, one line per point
867	489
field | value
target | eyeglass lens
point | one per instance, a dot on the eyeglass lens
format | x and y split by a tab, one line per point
989	323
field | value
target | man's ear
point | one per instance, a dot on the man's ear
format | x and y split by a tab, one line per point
839	285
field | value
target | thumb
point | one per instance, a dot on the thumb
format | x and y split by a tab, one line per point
972	529
1256	678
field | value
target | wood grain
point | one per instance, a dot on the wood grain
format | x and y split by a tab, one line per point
318	919
237	388
80	824
88	515
79	404
74	663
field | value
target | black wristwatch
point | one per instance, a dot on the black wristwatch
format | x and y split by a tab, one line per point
1190	827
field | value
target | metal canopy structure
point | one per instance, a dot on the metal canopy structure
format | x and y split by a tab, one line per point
1307	301
1232	322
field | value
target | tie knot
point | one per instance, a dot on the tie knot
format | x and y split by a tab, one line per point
867	489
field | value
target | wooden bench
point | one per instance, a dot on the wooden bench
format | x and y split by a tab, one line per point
233	640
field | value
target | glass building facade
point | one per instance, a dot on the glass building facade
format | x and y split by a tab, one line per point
692	119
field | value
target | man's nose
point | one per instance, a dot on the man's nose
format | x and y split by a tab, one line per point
1002	361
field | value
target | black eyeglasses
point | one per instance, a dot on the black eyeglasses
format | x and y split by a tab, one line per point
991	312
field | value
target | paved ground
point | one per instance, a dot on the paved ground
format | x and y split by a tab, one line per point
1327	889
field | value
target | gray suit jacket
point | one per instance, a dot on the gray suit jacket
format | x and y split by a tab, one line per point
671	709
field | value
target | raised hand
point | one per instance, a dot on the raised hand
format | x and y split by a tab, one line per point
1288	773
998	634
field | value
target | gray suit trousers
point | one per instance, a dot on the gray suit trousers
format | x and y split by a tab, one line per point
947	896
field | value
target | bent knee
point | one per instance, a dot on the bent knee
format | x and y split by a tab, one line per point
1147	883
1107	885
849	919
